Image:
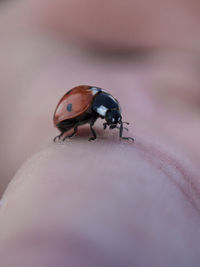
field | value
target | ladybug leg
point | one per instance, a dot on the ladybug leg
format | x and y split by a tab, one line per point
112	127
105	125
58	136
115	126
74	132
124	128
92	130
121	132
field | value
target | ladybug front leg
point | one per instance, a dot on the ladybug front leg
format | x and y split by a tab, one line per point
124	128
121	132
105	125
112	127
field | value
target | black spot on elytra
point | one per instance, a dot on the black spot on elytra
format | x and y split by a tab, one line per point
69	107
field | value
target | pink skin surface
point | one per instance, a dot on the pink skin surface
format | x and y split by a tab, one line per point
110	202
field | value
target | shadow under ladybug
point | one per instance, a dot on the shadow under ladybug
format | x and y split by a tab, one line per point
85	104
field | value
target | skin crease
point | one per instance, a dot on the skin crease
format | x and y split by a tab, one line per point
108	202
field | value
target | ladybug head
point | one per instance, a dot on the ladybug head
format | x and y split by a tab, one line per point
113	117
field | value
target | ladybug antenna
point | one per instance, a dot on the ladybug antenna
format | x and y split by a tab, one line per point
126	122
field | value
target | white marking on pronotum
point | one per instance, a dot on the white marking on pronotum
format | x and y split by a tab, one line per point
95	90
102	110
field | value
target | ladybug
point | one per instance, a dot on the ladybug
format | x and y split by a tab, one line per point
85	104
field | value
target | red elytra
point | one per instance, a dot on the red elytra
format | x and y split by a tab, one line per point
79	97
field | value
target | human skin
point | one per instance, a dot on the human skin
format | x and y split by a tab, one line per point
108	202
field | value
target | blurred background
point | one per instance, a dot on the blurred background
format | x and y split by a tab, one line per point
147	53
